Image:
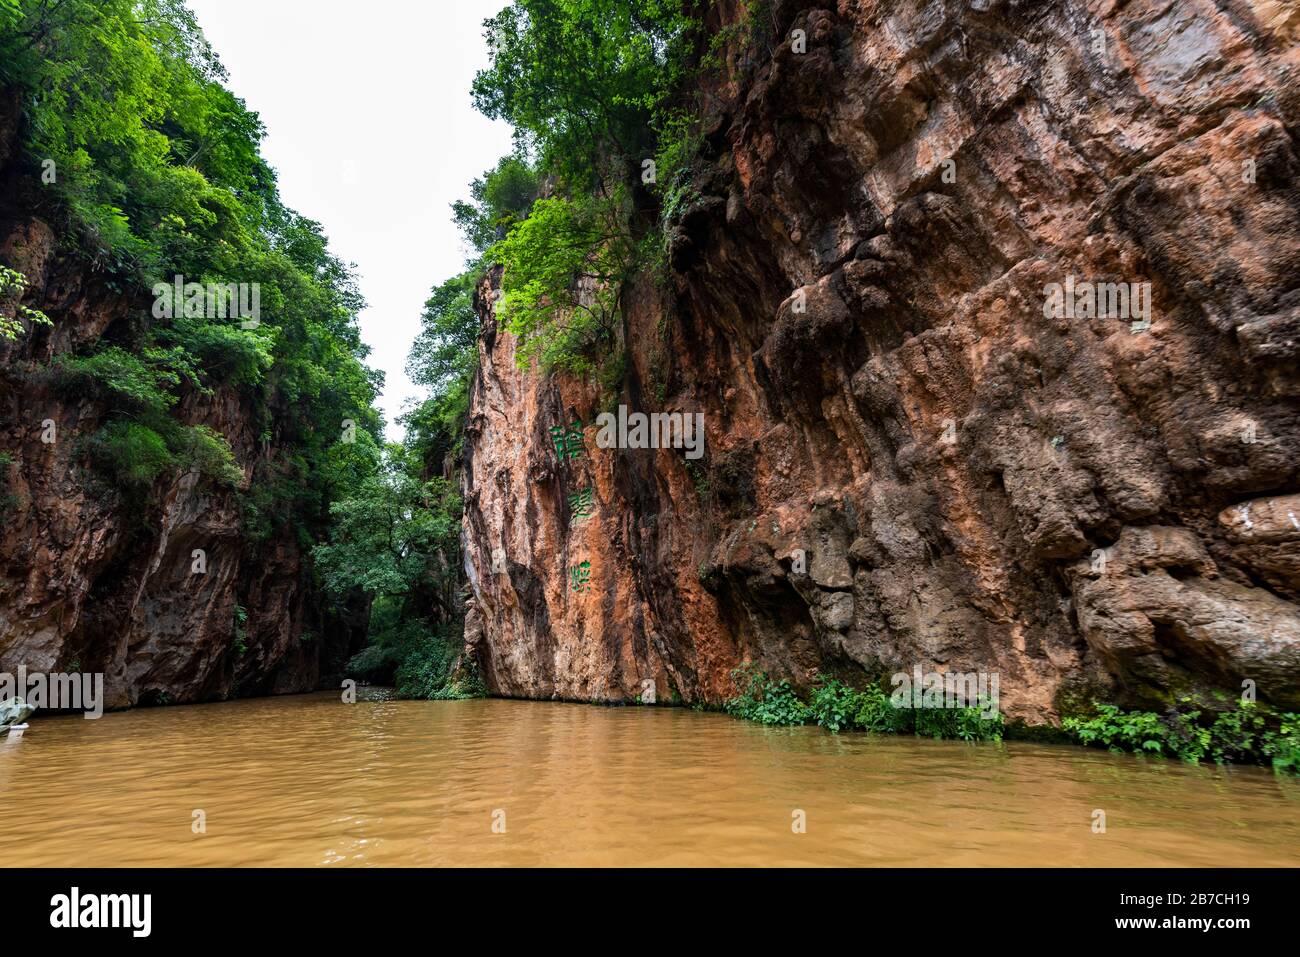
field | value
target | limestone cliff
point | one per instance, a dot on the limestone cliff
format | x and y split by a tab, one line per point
858	304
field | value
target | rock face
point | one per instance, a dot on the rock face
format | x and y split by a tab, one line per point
881	300
89	582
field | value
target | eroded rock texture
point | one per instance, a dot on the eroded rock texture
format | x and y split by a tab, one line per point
1088	508
91	582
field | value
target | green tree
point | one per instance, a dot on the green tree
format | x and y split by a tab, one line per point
499	198
594	89
447	346
396	540
443	358
391	538
565	268
583	81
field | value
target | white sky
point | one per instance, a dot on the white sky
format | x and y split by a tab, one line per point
371	130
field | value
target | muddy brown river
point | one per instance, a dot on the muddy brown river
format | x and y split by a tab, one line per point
311	781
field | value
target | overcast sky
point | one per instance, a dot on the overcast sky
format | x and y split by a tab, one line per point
370	127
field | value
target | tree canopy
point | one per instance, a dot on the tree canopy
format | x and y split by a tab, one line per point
594	89
584	81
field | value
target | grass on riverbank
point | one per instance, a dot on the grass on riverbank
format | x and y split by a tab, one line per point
837	707
1243	732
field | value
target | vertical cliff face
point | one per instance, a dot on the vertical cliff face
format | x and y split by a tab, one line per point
92	581
877	301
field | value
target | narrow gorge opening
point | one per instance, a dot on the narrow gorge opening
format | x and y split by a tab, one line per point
761	371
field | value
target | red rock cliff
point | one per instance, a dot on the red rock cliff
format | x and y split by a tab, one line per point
1087	506
88	584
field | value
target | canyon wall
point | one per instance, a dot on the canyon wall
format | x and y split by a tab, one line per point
909	459
93	582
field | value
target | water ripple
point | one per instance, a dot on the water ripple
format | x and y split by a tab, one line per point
311	781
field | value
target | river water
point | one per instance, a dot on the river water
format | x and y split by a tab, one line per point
309	780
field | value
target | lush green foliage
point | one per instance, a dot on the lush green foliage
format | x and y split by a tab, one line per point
594	89
157	171
836	707
12	285
420	661
145	442
443	358
396	540
387	539
446	348
584	82
500	198
207	452
133	454
963	724
1245	732
877	714
565	267
115	375
1282	746
429	670
151	151
766	701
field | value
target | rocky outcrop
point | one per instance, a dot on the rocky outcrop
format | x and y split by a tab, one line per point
13	711
917	451
92	582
